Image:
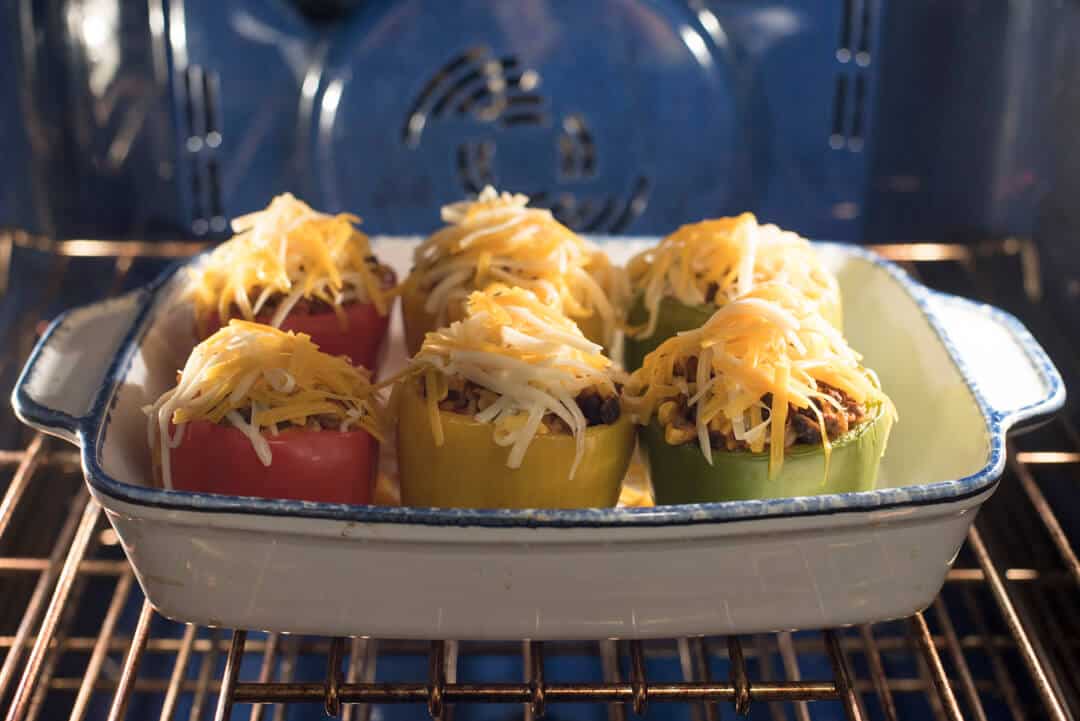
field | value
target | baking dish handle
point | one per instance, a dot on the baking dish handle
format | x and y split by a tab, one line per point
1007	367
60	383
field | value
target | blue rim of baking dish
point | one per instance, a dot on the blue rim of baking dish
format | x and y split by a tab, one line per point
89	430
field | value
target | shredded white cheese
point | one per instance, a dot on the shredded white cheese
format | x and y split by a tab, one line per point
287	252
497	238
770	341
534	358
734	254
278	377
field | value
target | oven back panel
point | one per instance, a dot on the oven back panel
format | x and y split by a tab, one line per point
853	119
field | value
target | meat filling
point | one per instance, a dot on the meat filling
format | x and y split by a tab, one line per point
320	422
314	306
802	426
838	421
600	407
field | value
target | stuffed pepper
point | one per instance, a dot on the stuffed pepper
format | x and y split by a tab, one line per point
263	412
765	400
680	282
293	268
511	407
499	239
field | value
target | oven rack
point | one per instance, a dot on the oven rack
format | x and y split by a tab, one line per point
77	639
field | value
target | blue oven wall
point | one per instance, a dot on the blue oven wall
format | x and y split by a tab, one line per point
237	73
20	136
854	119
622	115
85	115
14	147
812	70
963	118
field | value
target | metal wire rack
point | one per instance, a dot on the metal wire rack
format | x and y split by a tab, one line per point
78	640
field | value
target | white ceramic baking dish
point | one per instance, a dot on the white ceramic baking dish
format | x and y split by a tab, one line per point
960	373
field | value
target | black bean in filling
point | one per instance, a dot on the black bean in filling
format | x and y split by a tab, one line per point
710	292
598	409
686	367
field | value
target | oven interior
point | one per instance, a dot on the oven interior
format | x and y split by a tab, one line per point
940	133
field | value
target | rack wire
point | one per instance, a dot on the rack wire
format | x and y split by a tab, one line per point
79	641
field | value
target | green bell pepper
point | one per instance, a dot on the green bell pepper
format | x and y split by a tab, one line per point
680	474
675	317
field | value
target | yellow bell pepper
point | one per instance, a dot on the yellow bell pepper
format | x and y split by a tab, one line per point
469	470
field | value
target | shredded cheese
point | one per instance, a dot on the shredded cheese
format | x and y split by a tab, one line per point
522	349
276	376
287	252
498	239
769	341
734	254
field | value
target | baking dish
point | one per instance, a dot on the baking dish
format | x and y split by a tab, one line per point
961	374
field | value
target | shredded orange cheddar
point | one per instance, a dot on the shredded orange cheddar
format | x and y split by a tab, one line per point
287	252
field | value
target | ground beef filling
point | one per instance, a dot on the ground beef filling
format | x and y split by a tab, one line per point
599	407
680	420
321	422
314	306
838	421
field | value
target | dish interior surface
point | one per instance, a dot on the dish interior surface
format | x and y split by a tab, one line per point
942	433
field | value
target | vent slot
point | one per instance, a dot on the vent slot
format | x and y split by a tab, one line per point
639	200
194	110
836	140
847	25
577	151
609	214
457	88
866	24
211	111
414	121
202	113
855	140
523	118
600	220
218	224
856	30
849	112
477	85
195	117
501	95
475	162
472	100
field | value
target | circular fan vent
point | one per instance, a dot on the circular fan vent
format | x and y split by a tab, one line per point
628	128
499	91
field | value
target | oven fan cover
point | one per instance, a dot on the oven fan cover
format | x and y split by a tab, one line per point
620	115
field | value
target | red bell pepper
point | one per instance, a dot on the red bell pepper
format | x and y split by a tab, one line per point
306	465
